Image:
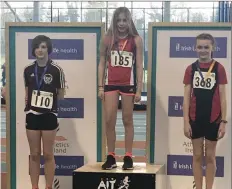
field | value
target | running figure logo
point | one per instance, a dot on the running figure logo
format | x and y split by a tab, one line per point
124	184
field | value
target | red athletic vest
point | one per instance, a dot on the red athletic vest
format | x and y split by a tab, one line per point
121	68
205	99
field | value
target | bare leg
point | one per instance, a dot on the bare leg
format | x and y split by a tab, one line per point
48	138
34	140
197	161
127	117
110	112
210	148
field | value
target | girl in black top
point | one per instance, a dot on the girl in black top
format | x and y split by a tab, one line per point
44	85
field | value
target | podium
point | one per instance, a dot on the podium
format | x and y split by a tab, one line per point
144	176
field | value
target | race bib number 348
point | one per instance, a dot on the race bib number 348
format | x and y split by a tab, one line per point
43	100
125	60
206	83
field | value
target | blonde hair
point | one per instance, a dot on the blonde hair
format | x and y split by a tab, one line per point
112	32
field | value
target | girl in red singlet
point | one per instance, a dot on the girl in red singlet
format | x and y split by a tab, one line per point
120	73
205	108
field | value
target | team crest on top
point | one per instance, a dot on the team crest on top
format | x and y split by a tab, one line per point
48	78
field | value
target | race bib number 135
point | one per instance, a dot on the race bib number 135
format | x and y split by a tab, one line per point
125	60
206	83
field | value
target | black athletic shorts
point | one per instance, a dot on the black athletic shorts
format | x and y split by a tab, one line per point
205	129
46	121
121	89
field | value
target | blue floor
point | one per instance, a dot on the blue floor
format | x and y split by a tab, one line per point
139	129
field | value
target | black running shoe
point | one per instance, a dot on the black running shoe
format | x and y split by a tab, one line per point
110	163
128	163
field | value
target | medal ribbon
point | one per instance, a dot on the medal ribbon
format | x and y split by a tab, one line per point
209	71
124	45
39	83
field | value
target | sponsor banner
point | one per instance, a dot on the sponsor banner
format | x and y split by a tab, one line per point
63	49
175	106
182	165
185	47
71	108
65	165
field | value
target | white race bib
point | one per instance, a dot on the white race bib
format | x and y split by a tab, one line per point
44	100
207	83
125	60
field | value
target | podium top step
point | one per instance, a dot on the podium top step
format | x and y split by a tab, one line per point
143	168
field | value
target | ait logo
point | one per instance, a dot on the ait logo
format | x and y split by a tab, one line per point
56	184
111	183
61	144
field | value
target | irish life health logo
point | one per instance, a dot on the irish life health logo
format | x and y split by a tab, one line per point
182	165
175	106
185	47
65	165
63	49
71	108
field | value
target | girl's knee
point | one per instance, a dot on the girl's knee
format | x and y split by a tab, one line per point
48	156
127	120
35	156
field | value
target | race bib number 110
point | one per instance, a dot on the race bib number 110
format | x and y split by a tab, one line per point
43	100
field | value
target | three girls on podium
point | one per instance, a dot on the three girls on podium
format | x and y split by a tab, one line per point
120	73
